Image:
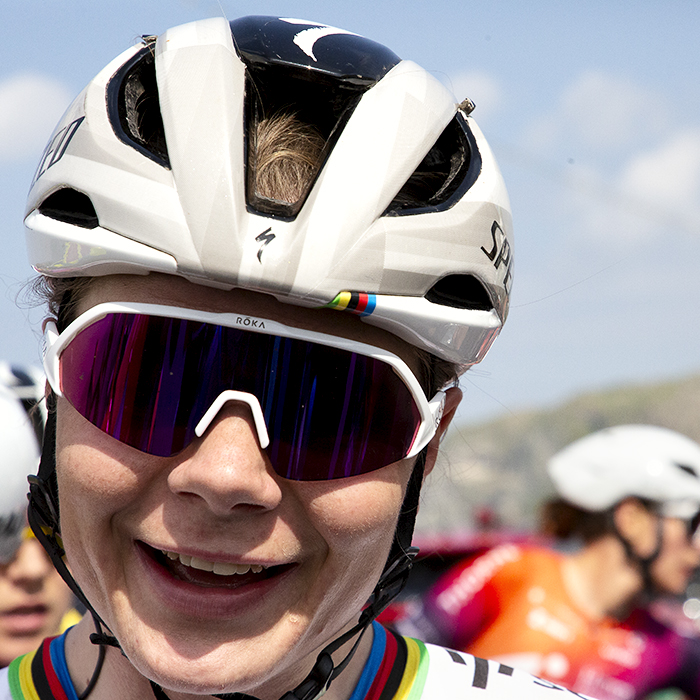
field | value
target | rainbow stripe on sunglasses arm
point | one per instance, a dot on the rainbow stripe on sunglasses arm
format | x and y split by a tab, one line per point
324	407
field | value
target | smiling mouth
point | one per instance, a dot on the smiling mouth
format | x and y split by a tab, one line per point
211	574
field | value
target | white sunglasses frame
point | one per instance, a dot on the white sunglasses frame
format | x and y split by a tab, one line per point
54	343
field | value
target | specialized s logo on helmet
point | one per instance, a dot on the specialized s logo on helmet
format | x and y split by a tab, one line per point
264	238
501	254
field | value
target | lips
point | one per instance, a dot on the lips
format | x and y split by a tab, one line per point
25	620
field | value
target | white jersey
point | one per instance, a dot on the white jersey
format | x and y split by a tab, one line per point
453	674
4	685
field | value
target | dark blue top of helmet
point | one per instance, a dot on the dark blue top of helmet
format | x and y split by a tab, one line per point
291	42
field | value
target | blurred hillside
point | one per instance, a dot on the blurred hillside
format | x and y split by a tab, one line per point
497	469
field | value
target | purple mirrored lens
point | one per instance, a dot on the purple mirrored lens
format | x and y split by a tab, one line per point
11	528
693	524
148	380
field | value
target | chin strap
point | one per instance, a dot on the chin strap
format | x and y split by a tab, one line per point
41	505
43	517
643	564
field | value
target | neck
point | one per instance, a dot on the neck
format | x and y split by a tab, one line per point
600	580
120	680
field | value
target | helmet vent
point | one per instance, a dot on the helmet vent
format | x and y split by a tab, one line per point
311	96
450	168
134	107
460	292
318	109
71	207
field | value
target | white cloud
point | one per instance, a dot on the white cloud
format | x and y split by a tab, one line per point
30	107
669	175
628	174
655	190
603	113
480	88
609	111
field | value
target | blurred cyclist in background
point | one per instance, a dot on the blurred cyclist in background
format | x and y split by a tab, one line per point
34	601
629	503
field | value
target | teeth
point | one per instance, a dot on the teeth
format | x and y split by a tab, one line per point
229	569
201	564
221	568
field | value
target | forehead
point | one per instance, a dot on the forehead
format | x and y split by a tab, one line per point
168	290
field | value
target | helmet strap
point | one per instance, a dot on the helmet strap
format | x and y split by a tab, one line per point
43	516
642	564
409	511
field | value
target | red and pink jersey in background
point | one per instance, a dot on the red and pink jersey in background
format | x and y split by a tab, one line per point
510	605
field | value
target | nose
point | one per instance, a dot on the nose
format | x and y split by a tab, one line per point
226	468
30	567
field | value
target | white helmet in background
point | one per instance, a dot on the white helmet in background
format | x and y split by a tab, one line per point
28	383
644	461
148	171
20	457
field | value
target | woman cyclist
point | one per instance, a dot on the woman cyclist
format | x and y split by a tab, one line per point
630	497
269	248
34	601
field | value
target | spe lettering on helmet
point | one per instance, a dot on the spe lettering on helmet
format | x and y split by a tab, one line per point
501	253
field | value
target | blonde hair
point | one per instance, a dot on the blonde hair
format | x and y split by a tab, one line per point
285	156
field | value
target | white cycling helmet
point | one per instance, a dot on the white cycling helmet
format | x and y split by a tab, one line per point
645	461
148	171
20	457
28	384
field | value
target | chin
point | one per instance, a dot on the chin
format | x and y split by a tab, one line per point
219	670
189	678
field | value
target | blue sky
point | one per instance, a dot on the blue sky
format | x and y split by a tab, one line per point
592	110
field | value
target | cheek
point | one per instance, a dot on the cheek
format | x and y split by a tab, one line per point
357	516
90	473
674	566
95	485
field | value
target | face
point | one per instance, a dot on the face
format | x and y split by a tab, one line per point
33	599
679	557
140	531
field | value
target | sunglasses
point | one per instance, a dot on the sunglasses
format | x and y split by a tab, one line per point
692	525
324	407
13	532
